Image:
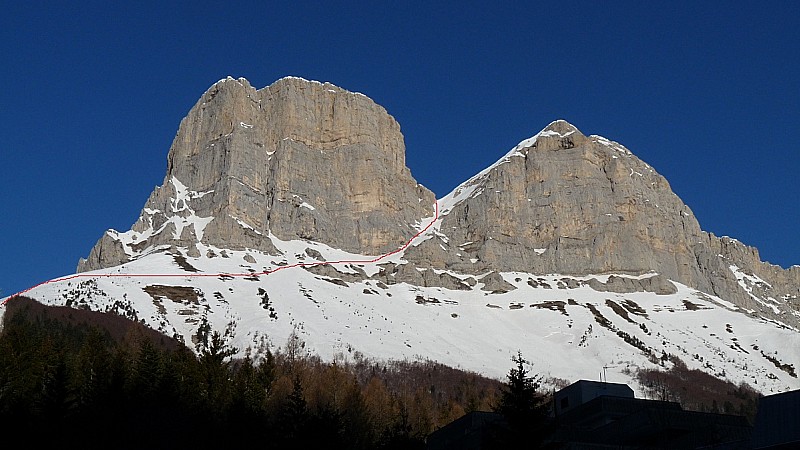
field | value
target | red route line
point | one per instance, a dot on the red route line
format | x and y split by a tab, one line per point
234	275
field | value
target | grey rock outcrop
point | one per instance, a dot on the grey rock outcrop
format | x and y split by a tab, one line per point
107	252
391	273
494	282
563	202
657	284
298	159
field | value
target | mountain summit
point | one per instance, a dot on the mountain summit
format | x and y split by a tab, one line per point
562	202
290	209
297	159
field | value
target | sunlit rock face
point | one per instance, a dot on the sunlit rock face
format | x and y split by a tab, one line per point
306	160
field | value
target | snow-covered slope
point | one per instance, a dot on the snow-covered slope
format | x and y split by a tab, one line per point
565	327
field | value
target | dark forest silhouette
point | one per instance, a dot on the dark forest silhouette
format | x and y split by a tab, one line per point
99	380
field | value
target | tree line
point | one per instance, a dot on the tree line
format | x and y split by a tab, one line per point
72	376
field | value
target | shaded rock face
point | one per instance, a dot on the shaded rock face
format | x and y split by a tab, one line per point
735	272
298	159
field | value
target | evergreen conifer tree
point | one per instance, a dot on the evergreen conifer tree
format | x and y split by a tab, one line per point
523	407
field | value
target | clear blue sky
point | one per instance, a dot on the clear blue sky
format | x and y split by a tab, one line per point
708	93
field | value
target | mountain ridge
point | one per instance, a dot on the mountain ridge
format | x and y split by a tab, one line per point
565	230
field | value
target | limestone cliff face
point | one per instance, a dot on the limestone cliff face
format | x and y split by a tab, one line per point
298	159
562	202
307	160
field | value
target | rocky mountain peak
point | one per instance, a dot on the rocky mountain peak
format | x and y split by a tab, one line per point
560	127
307	160
558	135
296	159
562	202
